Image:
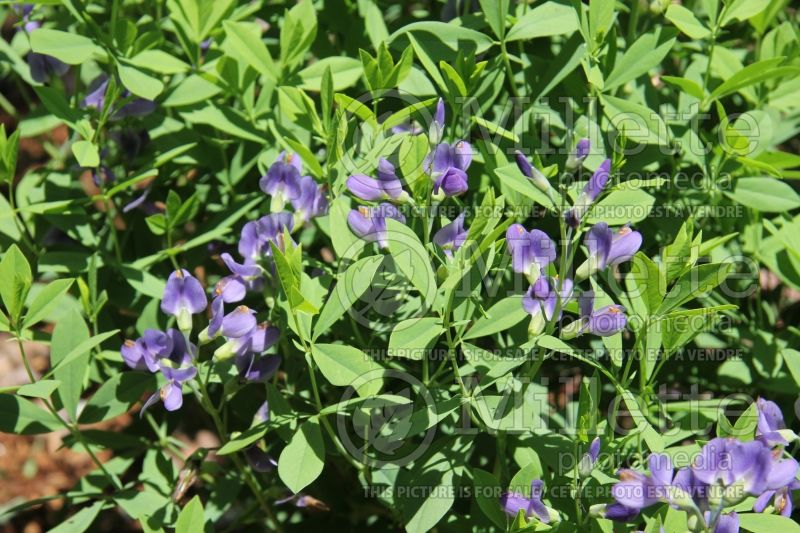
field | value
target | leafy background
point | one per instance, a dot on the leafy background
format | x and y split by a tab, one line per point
237	82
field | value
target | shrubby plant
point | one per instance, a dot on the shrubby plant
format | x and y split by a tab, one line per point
521	266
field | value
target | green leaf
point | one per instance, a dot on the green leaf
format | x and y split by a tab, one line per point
80	521
23	417
46	300
639	123
346	366
443	36
411	258
69	338
86	153
15	281
159	61
116	396
510	176
653	439
742	10
699	280
486	485
688	86
302	460
649	281
686	22
413	338
68	47
345	72
192	518
243	41
503	315
550	18
767	523
765	194
758	72
644	54
139	83
622	207
351	284
40	389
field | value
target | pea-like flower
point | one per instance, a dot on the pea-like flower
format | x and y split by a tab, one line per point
588	460
532	506
589	194
369	223
771	427
96	99
607	248
580	153
535	175
254	243
542	299
178	368
436	129
282	180
448	167
183	297
311	202
387	186
452	235
531	251
603	322
144	352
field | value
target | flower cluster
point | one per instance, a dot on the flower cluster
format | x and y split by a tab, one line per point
722	475
446	165
533	251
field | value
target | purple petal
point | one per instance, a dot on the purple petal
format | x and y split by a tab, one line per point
598	180
259	460
524	165
598	241
172	396
361	224
438	116
452	182
231	288
365	187
624	245
217	314
245	271
462	155
728	523
263	337
607	320
239	322
763	500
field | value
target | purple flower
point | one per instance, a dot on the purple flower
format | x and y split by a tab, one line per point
184	296
536	177
96	99
256	235
452	235
770	423
607	248
590	193
369	223
577	157
44	67
605	321
259	460
258	368
618	512
734	469
239	322
448	167
531	251
282	180
144	352
542	299
436	129
177	367
727	523
311	202
638	491
781	499
386	187
589	458
514	502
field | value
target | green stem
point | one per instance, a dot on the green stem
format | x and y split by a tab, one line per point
509	70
